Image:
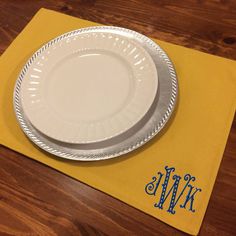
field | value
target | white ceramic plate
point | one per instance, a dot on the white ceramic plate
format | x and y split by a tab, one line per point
89	87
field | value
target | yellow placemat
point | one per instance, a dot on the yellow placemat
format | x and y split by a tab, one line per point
170	178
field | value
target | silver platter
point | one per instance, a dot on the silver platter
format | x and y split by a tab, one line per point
142	132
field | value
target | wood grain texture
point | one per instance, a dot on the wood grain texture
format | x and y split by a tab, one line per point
209	26
37	200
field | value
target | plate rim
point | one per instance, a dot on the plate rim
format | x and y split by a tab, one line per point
35	135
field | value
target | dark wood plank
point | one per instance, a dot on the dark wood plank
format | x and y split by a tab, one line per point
209	26
35	199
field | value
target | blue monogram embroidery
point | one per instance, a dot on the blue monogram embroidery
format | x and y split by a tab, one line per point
151	187
172	192
190	197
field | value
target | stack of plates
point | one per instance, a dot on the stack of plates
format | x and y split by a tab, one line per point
95	93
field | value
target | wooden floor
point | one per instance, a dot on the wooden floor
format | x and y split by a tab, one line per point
37	200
